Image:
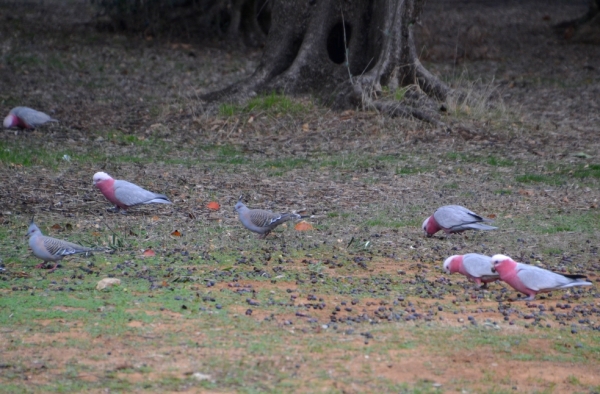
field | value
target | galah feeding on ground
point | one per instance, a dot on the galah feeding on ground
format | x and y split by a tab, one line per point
26	118
530	280
261	221
476	267
126	194
454	219
52	249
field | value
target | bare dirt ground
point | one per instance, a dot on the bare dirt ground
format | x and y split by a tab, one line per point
358	305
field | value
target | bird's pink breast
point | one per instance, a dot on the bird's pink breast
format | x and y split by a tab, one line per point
432	226
509	274
107	188
19	122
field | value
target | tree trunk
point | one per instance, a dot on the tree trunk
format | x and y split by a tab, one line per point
344	52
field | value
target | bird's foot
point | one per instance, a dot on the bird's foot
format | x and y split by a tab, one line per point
44	266
263	236
113	209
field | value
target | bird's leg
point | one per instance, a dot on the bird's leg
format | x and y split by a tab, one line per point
53	268
263	236
41	265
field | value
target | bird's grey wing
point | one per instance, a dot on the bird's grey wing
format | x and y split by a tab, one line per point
475	226
537	278
478	265
265	219
58	247
268	219
131	194
454	215
32	117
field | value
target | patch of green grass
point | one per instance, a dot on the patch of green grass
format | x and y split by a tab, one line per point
540	178
285	164
400	93
587	171
503	192
273	103
499	162
583	222
16	154
409	170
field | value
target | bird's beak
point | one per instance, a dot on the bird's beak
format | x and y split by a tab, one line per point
493	269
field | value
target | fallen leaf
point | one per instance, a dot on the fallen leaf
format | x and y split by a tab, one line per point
107	282
148	253
526	192
176	233
155	218
213	205
565	199
305	127
56	227
492	216
303	226
96	234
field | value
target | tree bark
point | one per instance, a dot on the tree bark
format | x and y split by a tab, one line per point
343	51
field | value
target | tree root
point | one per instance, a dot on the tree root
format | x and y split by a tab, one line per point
328	48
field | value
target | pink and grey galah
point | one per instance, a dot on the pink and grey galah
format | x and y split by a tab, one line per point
476	267
26	118
126	194
52	249
530	280
454	219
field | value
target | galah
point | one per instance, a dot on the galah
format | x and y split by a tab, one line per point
52	249
26	118
261	221
126	194
454	219
476	267
530	280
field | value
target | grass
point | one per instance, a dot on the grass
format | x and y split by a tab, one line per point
256	315
540	178
273	104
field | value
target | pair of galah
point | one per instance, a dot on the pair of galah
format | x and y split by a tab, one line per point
525	278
